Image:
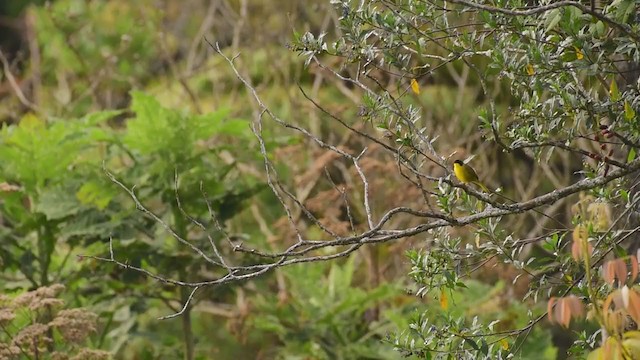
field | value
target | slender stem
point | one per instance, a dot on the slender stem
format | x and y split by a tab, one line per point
590	289
181	230
186	325
46	244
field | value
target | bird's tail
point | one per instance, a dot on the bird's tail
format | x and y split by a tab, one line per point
484	188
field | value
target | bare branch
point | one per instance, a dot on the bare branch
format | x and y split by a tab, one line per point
157	219
184	307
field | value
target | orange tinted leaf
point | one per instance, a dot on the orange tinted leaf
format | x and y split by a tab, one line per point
530	70
612	349
575	250
552	300
444	302
504	344
634	305
607	273
577	308
620	269
415	87
6	187
606	307
618	299
634	267
565	312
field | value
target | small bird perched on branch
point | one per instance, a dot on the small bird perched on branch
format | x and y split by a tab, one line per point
466	174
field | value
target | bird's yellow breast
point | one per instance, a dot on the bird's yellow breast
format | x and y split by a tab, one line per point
464	173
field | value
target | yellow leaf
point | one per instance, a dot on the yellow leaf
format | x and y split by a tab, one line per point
580	233
444	302
579	53
504	344
415	87
629	113
530	70
632	346
31	121
614	93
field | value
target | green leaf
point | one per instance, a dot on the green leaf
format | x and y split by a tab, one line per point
89	225
34	153
340	277
98	117
27	261
233	127
597	29
619	251
632	155
484	347
156	129
629	112
614	93
552	19
93	193
472	343
624	8
13	207
57	203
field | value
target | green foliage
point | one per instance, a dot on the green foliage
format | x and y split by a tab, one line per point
57	200
325	316
94	48
44	165
165	142
159	130
472	326
36	154
570	73
173	155
536	83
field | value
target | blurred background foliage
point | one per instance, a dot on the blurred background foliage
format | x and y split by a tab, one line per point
132	89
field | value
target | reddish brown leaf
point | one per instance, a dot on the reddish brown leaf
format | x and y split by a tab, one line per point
634	305
618	299
607	272
620	269
634	267
575	250
552	300
576	306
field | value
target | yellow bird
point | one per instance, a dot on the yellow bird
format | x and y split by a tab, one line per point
466	174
